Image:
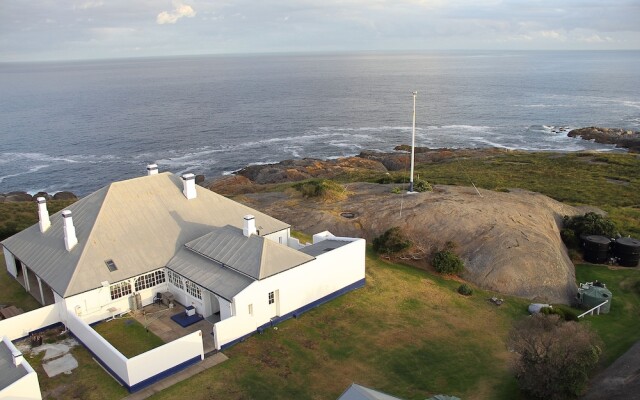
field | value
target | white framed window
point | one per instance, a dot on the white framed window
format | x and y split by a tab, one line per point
120	289
193	289
175	279
272	298
149	280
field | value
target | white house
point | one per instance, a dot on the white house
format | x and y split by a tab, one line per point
161	233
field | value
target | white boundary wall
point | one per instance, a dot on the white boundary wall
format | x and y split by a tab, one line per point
141	367
296	288
160	359
20	325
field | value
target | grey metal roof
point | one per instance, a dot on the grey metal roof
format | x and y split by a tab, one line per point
9	373
209	274
322	247
357	392
253	256
139	223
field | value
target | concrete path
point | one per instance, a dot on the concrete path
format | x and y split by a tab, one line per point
207	363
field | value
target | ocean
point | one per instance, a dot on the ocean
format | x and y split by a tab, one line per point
79	125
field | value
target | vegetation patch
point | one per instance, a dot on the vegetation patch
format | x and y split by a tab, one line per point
321	188
392	241
15	217
465	290
128	336
447	262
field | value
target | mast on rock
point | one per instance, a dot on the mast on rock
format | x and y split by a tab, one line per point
413	142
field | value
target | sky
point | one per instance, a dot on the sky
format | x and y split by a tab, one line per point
44	30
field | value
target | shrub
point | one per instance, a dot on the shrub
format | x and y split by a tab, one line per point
447	262
396	190
319	188
569	238
465	290
392	241
420	185
589	224
554	357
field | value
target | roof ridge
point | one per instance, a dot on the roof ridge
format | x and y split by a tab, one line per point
107	190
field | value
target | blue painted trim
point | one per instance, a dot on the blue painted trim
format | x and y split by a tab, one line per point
299	311
147	382
168	372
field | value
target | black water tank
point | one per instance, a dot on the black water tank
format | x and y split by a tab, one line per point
627	250
596	248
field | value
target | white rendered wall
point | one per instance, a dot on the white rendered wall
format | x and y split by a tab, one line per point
281	237
26	388
328	273
160	359
11	262
20	325
226	309
99	346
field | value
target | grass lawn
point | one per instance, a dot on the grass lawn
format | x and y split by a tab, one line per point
620	328
128	336
88	381
406	333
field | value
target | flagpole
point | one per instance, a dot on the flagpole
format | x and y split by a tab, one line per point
413	142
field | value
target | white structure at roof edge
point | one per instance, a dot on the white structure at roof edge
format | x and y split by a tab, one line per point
239	268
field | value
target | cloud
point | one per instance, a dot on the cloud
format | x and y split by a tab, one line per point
180	10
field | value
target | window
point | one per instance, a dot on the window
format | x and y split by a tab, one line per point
175	279
149	280
193	289
250	309
120	289
272	298
111	265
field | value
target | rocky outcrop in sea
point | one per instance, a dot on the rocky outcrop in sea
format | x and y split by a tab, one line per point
620	137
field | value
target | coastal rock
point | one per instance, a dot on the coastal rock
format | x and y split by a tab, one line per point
46	195
307	168
199	179
231	185
17	196
620	137
510	242
64	196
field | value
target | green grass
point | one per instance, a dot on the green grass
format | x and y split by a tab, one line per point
620	328
12	293
406	333
15	217
128	336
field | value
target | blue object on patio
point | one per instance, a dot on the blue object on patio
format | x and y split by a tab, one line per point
185	320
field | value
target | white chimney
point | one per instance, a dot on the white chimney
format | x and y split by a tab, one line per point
249	225
189	182
152	169
43	214
70	239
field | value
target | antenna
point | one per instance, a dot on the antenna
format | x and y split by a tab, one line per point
413	142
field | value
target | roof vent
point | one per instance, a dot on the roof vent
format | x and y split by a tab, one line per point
249	225
70	239
189	183
43	214
152	169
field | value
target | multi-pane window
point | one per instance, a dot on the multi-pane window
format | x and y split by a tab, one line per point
149	280
175	279
120	289
193	289
272	298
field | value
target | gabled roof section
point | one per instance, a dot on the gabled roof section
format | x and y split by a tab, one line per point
253	256
139	224
357	392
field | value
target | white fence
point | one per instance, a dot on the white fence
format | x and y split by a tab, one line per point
20	325
595	309
147	366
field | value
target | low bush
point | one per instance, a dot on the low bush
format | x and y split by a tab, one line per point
421	185
323	188
588	224
465	290
392	241
447	262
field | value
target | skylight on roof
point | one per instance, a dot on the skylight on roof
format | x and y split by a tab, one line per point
111	265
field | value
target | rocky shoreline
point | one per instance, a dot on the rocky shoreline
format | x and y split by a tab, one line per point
14	197
620	137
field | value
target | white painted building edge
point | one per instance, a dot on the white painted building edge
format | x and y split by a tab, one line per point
26	388
297	288
11	262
